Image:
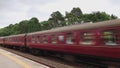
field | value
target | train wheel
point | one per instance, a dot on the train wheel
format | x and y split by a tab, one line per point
23	49
15	47
35	51
44	53
69	58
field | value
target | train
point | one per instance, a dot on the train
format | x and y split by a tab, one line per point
99	39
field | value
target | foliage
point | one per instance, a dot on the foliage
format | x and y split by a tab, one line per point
25	26
74	16
96	16
56	19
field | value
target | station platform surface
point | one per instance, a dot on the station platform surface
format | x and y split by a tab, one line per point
11	60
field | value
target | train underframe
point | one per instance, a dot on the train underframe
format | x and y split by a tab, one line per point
65	56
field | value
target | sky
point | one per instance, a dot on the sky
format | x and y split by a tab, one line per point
14	11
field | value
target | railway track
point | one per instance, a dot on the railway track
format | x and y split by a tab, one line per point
54	62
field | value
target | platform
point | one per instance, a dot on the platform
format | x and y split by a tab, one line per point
11	60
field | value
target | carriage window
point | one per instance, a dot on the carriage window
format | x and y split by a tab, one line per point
45	39
53	39
38	39
109	37
61	38
70	38
10	40
15	39
87	38
33	39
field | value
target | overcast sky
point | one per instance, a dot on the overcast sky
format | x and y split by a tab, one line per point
13	11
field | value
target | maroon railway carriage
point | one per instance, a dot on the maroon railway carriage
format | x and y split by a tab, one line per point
15	40
1	40
95	39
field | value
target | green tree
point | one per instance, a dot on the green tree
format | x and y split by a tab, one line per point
97	16
74	16
34	25
45	25
56	18
76	12
23	26
113	17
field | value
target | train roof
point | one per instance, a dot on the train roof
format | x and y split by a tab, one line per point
14	35
109	23
1	37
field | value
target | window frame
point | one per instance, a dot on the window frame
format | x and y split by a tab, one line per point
45	38
38	39
33	39
92	42
70	39
114	35
55	41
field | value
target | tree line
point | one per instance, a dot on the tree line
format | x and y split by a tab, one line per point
75	16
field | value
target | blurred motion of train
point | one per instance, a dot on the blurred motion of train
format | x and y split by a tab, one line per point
101	39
